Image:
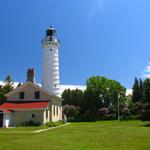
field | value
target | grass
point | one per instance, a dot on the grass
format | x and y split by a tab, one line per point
21	129
101	135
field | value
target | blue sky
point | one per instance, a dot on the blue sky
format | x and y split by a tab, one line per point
98	37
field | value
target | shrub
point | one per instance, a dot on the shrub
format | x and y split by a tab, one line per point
30	123
145	112
49	124
53	124
125	114
145	116
104	113
58	123
71	112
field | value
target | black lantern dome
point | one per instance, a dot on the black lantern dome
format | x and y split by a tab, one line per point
50	31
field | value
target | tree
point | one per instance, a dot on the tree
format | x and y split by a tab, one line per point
8	80
19	84
147	90
144	106
137	94
141	89
101	92
66	95
8	87
1	93
141	99
72	97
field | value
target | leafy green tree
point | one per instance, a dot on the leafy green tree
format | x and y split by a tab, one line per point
66	95
72	97
101	92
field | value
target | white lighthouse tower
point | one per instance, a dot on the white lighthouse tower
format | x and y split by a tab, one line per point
50	66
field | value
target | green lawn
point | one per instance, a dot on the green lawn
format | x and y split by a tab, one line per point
20	129
102	135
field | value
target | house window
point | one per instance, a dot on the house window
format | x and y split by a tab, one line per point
54	110
21	96
57	110
37	95
46	113
33	115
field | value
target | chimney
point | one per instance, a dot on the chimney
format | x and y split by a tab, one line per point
31	75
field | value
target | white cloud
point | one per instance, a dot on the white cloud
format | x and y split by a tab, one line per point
146	72
146	76
129	92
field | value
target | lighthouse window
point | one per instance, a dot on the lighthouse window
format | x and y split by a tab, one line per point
50	38
50	49
55	85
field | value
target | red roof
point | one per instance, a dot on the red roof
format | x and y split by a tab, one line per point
23	105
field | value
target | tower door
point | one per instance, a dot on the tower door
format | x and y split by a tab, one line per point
1	119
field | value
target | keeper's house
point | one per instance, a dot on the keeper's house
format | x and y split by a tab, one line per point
30	103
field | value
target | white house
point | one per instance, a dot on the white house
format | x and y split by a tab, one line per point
30	103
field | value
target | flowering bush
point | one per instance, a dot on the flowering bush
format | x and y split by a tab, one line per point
71	112
104	113
125	114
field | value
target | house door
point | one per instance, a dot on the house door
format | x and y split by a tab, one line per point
1	119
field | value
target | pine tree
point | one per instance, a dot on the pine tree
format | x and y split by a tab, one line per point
8	87
147	90
8	80
141	90
136	91
19	84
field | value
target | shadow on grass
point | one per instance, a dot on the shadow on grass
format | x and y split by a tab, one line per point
146	125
